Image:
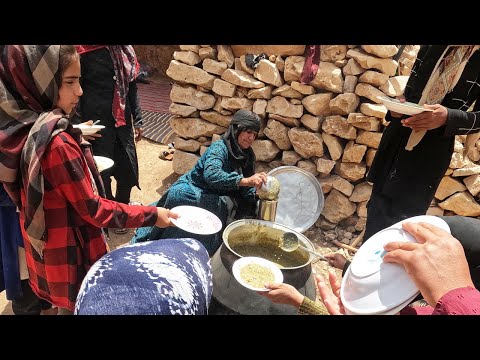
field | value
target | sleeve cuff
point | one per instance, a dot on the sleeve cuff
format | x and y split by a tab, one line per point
309	307
460	301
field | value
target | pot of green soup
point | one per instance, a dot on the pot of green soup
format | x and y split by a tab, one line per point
252	237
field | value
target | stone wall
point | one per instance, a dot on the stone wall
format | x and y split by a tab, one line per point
157	56
330	127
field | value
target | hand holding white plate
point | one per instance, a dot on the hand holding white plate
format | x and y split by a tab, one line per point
89	129
196	220
371	286
254	272
103	163
406	108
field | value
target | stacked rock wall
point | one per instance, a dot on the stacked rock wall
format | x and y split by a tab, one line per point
330	127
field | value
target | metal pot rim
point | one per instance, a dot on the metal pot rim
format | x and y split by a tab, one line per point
302	238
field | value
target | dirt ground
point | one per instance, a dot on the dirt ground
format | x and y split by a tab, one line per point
155	177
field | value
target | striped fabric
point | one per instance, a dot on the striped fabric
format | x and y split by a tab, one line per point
155	97
155	102
156	127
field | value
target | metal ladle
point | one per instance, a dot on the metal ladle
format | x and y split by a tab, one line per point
290	242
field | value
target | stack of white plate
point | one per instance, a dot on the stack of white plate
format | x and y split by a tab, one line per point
373	287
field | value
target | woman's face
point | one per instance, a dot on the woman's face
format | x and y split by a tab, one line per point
70	91
246	138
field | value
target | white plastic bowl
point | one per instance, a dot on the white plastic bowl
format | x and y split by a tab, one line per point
89	129
371	286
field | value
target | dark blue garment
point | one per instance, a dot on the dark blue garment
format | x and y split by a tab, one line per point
10	240
167	277
206	185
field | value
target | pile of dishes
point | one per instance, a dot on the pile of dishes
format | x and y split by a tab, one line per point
373	287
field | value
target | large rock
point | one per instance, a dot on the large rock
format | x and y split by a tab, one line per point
395	86
386	66
318	104
190	74
280	106
461	204
278	132
190	96
329	77
447	187
241	78
334	145
337	125
383	51
187	57
306	143
338	207
267	72
284	50
193	128
265	150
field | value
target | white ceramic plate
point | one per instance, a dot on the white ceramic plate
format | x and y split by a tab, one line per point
103	163
244	261
406	108
196	220
89	129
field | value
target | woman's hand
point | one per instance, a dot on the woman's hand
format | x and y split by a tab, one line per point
330	297
427	120
336	260
164	215
138	134
283	294
255	180
436	263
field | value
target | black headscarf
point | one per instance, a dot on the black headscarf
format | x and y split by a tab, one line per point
243	158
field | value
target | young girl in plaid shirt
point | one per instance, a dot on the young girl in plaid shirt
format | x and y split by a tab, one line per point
50	174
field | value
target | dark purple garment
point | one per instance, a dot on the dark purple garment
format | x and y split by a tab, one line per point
310	67
10	240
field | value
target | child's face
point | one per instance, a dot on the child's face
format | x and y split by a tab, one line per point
70	91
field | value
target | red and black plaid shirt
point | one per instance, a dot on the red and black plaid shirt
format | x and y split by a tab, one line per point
74	216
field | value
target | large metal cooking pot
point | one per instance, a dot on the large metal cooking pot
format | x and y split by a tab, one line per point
247	237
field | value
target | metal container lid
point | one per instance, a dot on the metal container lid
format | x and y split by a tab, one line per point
300	201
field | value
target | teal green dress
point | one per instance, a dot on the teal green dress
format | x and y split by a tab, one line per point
207	185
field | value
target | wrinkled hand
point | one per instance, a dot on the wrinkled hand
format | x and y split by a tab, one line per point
138	134
256	180
436	264
164	215
330	297
336	260
283	294
427	120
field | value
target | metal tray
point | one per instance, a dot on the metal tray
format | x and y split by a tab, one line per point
300	201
